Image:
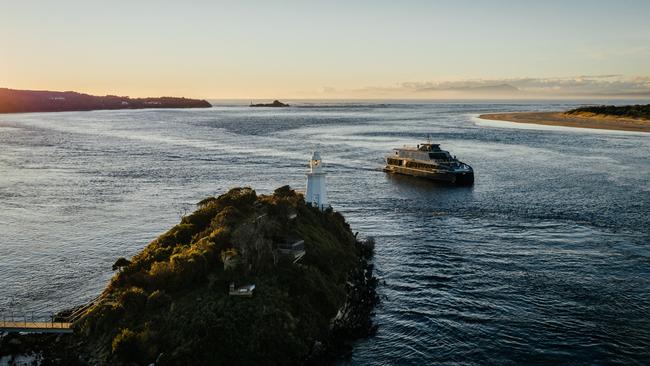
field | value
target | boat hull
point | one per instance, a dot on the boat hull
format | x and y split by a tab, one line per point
457	178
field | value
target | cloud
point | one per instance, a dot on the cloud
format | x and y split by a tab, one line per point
607	85
586	85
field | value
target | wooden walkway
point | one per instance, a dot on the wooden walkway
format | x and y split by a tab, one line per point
35	327
45	323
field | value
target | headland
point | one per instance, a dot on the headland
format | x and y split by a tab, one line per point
246	279
23	101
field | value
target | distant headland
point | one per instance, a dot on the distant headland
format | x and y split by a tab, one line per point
276	103
624	118
21	101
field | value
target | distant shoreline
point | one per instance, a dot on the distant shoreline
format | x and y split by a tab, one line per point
561	119
29	101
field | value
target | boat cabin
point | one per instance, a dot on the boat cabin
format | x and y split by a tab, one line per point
422	152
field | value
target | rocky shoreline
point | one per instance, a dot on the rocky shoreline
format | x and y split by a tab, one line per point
39	349
354	320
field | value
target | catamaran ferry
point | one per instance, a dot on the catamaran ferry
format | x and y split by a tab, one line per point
429	161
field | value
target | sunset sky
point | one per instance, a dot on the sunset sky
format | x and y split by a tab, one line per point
326	49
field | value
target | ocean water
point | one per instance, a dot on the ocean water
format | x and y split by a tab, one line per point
545	260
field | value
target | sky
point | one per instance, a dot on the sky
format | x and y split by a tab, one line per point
327	49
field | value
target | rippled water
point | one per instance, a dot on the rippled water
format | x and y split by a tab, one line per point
544	260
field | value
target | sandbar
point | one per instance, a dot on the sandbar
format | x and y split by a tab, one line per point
585	120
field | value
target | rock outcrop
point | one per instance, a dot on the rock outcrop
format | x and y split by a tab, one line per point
276	103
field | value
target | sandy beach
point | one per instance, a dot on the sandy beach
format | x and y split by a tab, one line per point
581	121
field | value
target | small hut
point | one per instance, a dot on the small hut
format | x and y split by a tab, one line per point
245	291
293	249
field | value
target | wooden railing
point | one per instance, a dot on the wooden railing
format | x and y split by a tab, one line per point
44	322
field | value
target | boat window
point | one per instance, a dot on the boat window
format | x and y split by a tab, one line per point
415	165
438	156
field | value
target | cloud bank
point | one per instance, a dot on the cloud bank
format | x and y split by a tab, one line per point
609	86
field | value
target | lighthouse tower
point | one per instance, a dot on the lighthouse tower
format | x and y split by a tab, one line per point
316	192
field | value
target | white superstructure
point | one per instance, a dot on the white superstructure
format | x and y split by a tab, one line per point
316	194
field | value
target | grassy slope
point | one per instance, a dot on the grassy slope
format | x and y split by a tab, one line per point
172	298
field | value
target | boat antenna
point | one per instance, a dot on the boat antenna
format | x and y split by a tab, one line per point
429	138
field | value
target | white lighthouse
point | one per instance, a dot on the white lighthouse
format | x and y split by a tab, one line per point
316	191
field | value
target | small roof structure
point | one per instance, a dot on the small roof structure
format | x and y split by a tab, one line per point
245	291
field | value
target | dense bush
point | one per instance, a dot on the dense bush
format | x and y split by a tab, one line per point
126	345
133	300
158	299
121	263
632	111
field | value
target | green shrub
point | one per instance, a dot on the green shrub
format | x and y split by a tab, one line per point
133	299
158	299
161	276
207	202
243	197
284	192
102	318
126	346
120	263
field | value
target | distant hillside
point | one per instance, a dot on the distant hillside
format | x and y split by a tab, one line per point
484	91
501	88
15	101
628	111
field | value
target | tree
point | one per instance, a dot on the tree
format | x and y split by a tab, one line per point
121	263
284	191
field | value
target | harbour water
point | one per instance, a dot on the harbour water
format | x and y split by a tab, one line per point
545	260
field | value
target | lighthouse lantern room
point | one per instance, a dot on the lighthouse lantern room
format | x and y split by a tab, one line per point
316	194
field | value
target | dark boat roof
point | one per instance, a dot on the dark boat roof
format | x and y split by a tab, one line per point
429	147
421	147
423	152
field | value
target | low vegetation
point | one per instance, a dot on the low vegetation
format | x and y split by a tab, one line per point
170	303
629	111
